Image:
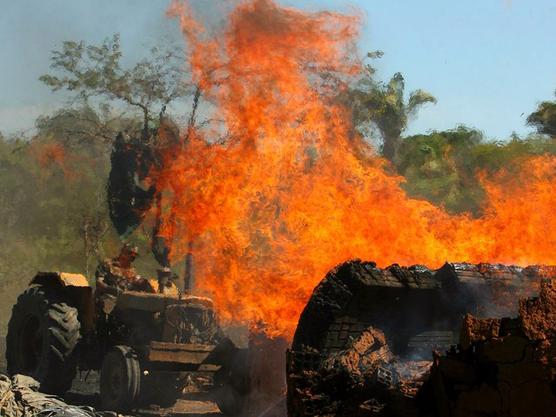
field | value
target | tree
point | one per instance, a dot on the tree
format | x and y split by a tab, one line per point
96	71
441	167
544	119
85	126
149	86
384	105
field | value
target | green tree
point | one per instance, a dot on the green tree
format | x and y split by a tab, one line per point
442	167
384	106
544	118
149	86
83	126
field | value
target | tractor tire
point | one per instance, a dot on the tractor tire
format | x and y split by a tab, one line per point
232	386
120	380
43	334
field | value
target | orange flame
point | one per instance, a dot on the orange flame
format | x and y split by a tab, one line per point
287	197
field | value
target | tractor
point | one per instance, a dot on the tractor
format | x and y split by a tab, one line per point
148	347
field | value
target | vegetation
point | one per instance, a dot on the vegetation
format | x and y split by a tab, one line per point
384	106
544	118
96	71
443	167
146	88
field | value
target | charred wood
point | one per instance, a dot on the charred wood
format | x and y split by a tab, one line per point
365	341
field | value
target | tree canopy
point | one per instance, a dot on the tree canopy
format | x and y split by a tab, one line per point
149	86
544	118
444	166
385	106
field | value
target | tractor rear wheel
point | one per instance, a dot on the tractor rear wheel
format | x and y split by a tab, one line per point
120	379
43	333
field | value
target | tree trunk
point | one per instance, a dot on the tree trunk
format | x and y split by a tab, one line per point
145	125
391	147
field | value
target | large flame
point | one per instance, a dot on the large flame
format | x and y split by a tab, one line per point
292	191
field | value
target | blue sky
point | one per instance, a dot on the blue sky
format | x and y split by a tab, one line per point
489	62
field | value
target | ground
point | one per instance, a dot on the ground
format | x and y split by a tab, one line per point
85	390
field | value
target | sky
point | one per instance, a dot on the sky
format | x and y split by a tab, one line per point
488	62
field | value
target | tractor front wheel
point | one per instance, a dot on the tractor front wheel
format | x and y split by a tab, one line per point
120	379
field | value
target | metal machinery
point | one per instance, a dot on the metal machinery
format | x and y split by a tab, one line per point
149	347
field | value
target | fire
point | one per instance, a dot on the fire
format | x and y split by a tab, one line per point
293	191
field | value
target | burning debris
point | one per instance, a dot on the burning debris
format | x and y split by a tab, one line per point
502	366
364	343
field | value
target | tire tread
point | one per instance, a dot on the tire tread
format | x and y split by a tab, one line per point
61	329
